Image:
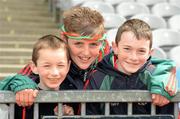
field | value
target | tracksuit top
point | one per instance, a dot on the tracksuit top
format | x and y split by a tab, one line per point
106	76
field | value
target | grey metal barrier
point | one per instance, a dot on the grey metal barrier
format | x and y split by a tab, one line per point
87	96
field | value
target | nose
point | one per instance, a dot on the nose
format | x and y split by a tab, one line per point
54	71
133	56
86	50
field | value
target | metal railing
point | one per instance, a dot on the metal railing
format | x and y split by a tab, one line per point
84	97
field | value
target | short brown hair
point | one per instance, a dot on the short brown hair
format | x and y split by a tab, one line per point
48	41
140	29
83	21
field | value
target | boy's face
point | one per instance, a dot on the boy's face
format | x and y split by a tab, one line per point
84	52
52	67
132	52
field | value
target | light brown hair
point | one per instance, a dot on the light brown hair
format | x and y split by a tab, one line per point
48	41
83	21
140	29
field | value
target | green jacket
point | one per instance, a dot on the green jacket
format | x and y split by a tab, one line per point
17	83
163	78
157	76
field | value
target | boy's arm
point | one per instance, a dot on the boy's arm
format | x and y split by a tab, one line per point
162	79
17	83
23	86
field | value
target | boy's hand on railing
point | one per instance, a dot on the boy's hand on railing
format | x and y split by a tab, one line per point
67	110
159	100
26	97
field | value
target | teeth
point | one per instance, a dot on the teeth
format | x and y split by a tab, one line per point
52	79
84	58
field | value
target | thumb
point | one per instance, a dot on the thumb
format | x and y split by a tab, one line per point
153	96
35	93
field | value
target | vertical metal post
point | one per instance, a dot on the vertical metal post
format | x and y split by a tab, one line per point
107	108
11	111
153	109
176	112
83	109
129	108
36	111
60	110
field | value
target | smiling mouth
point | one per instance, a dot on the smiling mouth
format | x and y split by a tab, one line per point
132	63
53	79
84	59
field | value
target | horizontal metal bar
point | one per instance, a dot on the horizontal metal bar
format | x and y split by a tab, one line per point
113	117
86	96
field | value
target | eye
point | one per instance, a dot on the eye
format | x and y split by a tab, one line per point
46	66
126	49
61	65
78	44
142	51
94	44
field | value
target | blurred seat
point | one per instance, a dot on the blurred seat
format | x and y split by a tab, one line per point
175	2
67	4
115	2
111	35
150	3
153	20
159	53
113	20
165	9
100	6
166	38
174	55
129	9
173	22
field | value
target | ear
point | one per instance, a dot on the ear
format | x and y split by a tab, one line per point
33	67
151	52
114	47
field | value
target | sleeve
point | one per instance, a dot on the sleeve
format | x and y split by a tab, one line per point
17	83
163	78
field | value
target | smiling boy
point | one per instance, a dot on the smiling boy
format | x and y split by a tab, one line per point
130	67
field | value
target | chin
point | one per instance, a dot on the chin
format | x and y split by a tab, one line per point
84	66
130	71
53	87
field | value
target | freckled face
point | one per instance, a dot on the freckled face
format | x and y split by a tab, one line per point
52	67
84	52
132	52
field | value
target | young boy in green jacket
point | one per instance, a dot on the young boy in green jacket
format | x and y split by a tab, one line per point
130	67
51	61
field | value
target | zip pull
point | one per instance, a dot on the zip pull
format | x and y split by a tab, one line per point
85	76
